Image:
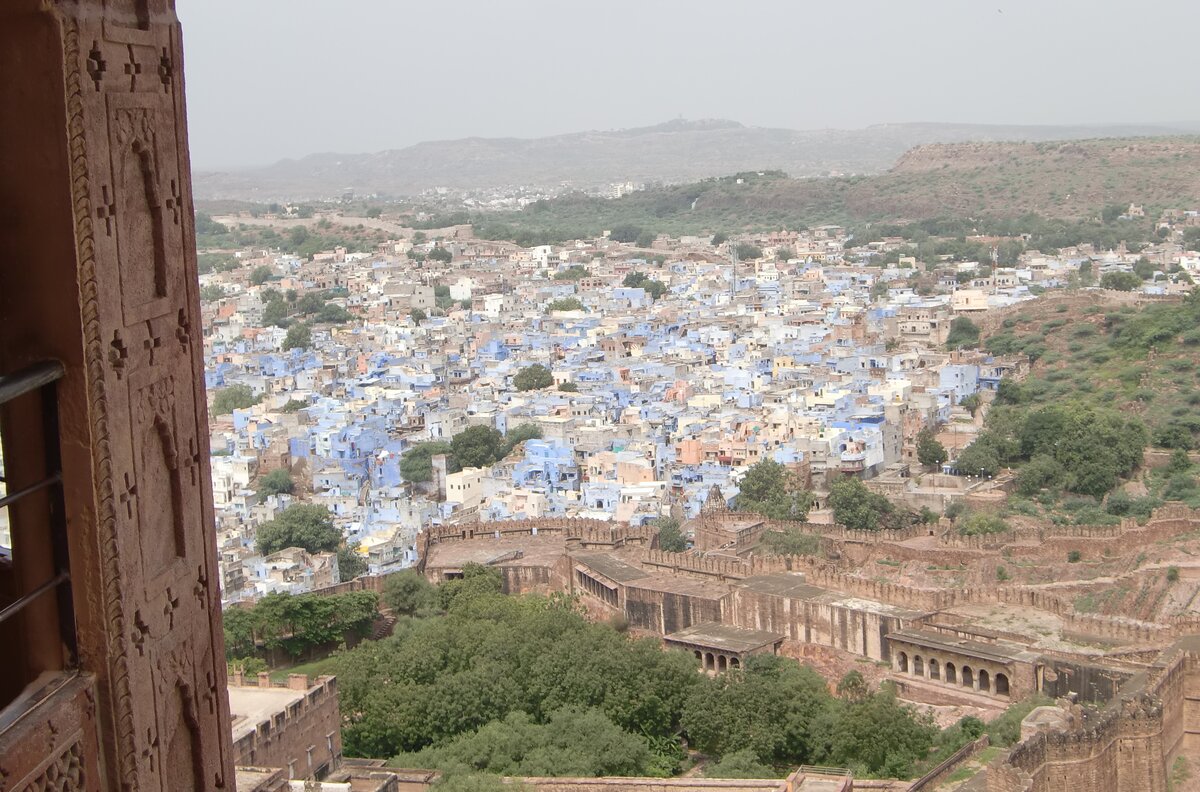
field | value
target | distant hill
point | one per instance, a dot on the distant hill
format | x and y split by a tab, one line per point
1065	180
677	151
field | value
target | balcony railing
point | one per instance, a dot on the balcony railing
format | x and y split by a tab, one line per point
37	519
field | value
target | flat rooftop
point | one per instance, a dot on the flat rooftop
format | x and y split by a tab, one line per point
725	636
793	586
250	706
612	568
537	551
996	652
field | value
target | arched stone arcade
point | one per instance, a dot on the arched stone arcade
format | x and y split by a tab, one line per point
942	661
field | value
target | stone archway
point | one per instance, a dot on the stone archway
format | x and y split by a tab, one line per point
968	679
918	666
935	671
1001	684
902	662
985	681
951	676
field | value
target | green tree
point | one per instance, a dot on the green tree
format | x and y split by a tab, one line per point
634	280
260	275
963	334
773	709
440	253
980	523
1120	281
300	525
879	735
374	212
332	313
235	397
519	434
310	303
853	687
971	402
980	458
645	239
574	742
930	452
1144	268
565	304
770	489
417	315
211	293
625	233
568	387
275	312
670	538
299	336
748	252
533	377
572	273
1041	472
655	288
416	465
408	593
739	764
720	238
791	541
351	563
477	446
277	482
856	507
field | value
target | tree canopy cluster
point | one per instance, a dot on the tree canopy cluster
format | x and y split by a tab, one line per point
297	624
963	334
640	280
289	309
572	273
481	682
235	397
310	526
565	304
475	446
930	452
670	537
277	482
533	377
860	509
770	489
1075	447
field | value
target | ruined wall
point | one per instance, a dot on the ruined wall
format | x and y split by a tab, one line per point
1128	746
1090	684
667	612
837	625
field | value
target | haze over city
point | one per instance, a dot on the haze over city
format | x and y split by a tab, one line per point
270	79
578	396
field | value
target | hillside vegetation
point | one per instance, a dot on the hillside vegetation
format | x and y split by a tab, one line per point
1067	180
1106	382
473	681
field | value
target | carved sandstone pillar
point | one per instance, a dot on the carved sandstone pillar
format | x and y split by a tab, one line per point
99	272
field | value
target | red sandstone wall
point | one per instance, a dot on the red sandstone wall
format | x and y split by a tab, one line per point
276	745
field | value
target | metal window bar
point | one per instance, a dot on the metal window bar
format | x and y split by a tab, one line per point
41	379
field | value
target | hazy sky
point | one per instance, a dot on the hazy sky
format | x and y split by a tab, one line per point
268	79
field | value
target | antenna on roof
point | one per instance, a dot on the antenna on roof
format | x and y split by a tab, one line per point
733	259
